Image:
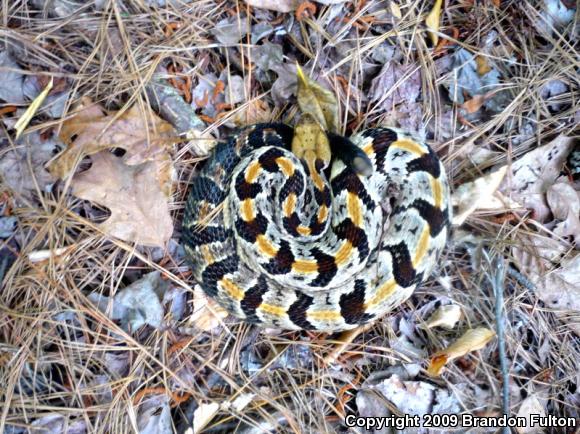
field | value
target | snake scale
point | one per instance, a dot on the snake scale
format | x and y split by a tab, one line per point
278	244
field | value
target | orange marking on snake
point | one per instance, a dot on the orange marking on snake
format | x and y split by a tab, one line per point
409	146
368	148
232	289
354	209
303	266
318	182
252	172
343	254
303	230
286	165
247	210
422	245
324	315
384	291
207	255
322	213
289	204
437	191
272	310
265	246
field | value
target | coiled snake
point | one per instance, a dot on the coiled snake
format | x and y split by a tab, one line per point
276	244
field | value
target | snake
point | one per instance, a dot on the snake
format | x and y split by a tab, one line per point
303	244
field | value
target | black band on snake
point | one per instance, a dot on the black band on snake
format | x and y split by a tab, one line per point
278	244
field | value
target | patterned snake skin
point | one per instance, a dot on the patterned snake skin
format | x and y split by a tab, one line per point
277	244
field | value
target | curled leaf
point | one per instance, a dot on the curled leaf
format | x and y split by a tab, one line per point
318	102
480	194
472	340
207	314
432	21
32	109
446	317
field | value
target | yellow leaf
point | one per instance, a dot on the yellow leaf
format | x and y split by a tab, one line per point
472	340
395	10
482	65
318	102
23	122
432	21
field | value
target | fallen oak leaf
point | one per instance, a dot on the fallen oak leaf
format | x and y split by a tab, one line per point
535	172
472	340
144	136
133	194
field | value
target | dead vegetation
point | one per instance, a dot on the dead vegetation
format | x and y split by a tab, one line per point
96	334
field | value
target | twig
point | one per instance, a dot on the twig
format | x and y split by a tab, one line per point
522	280
497	282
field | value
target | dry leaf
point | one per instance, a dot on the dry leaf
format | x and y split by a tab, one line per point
22	168
559	289
531	405
43	255
32	109
207	314
203	415
564	202
205	412
482	65
474	104
480	194
253	112
432	21
144	136
535	172
318	102
472	340
135	187
446	317
134	195
275	5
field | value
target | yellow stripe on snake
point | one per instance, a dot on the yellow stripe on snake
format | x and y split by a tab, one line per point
293	250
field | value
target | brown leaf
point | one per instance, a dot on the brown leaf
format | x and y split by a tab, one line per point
143	135
134	195
318	102
535	172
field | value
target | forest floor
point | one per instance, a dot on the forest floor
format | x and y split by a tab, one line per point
106	109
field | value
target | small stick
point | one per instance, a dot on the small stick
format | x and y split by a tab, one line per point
497	284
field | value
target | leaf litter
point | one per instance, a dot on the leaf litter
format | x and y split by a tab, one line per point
485	99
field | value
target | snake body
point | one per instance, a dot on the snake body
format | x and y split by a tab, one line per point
277	244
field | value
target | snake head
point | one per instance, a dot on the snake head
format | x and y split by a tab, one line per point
350	154
310	142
